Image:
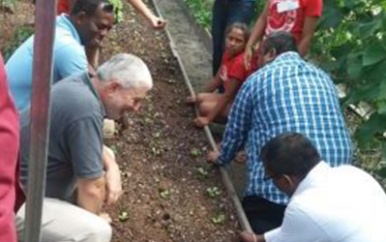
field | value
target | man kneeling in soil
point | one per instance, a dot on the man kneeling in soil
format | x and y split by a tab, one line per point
342	204
82	174
286	94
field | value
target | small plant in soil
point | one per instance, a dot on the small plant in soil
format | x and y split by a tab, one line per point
165	194
203	172
213	192
195	152
218	218
157	135
156	151
123	216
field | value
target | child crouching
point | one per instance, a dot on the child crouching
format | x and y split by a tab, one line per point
232	73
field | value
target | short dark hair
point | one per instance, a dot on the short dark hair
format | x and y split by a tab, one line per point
290	154
281	41
237	25
90	6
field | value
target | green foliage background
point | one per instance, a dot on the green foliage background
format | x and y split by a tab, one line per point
351	45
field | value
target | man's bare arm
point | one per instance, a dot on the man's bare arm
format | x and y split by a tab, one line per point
140	6
309	27
91	194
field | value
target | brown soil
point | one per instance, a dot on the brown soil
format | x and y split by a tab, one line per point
163	156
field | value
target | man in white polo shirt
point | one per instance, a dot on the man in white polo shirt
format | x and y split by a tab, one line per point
342	204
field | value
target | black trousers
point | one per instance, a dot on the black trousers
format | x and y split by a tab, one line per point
262	214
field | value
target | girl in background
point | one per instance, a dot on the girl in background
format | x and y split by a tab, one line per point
232	73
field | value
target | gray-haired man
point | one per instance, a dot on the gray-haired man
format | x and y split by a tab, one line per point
77	156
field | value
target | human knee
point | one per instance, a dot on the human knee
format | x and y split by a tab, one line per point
99	231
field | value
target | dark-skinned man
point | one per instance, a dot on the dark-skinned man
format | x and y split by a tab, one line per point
87	25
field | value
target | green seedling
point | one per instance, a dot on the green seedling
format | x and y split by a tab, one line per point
165	194
157	135
123	216
195	152
203	172
156	151
114	148
218	219
213	192
148	120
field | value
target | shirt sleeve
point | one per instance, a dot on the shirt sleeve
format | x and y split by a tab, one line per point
313	8
85	144
238	125
70	60
9	147
297	226
237	70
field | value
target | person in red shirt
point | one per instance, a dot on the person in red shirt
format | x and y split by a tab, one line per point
9	148
298	17
231	75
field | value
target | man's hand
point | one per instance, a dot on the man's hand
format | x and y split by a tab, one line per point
113	176
251	237
212	156
158	23
106	217
200	122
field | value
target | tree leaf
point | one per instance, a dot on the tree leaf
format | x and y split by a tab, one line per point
367	30
367	131
374	54
354	66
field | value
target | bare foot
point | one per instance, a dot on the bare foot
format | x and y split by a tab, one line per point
191	100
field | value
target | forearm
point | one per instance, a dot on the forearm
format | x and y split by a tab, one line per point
212	85
304	45
309	27
109	161
91	197
141	7
238	125
257	33
258	30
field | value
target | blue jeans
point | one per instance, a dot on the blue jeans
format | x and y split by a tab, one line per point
226	12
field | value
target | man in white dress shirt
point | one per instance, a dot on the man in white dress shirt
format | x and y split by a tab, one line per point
343	204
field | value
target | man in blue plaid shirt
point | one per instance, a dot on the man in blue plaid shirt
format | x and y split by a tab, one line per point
286	94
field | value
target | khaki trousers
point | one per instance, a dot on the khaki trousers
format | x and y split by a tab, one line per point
65	222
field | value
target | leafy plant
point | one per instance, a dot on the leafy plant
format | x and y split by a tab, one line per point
195	152
164	193
202	11
123	216
213	192
202	172
218	218
18	37
351	45
118	9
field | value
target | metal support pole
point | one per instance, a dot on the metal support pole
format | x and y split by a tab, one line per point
40	113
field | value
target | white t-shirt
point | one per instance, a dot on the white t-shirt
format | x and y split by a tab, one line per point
342	204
